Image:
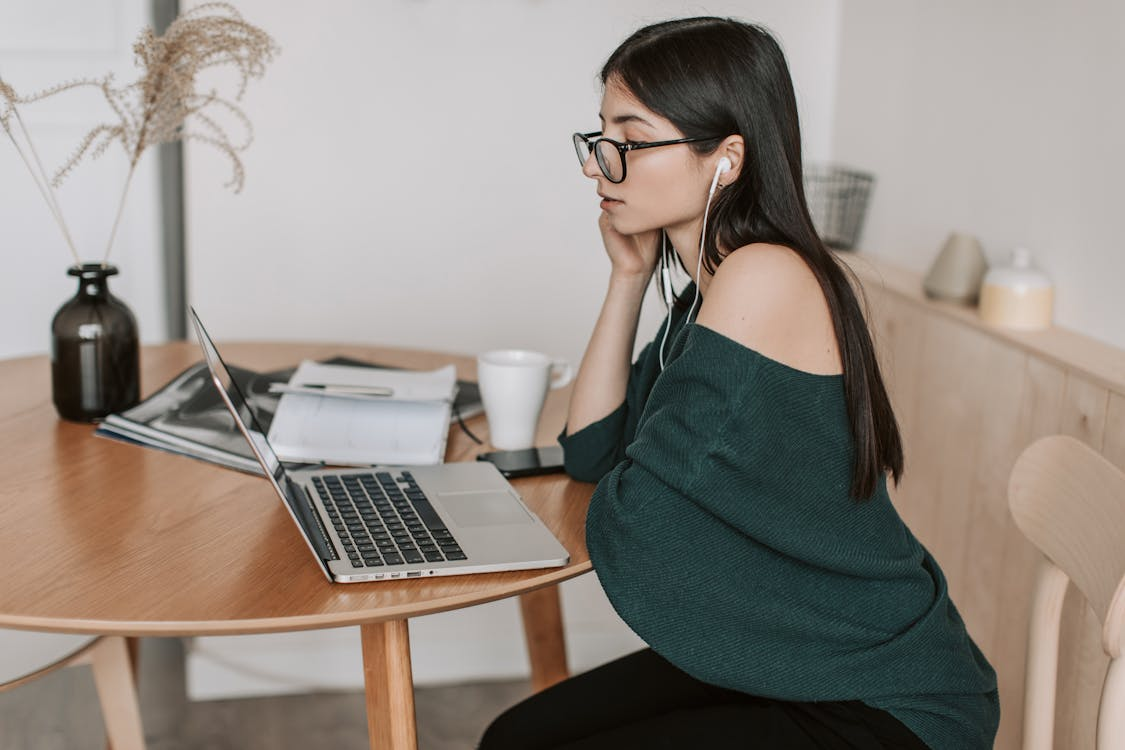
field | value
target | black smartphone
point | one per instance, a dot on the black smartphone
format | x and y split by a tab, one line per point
527	462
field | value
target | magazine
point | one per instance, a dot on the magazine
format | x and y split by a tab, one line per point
188	417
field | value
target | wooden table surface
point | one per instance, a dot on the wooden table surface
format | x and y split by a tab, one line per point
97	536
102	537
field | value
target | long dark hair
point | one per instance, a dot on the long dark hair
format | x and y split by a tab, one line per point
716	75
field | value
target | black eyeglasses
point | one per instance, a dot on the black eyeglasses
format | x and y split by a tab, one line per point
610	154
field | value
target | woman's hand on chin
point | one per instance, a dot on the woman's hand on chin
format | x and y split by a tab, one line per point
631	254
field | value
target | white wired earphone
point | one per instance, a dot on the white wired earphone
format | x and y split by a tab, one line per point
723	167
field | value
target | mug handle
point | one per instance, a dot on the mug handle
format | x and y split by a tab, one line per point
566	373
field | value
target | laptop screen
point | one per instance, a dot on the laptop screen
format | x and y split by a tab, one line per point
236	402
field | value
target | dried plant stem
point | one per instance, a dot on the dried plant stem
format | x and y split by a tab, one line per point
52	199
120	210
41	181
134	158
163	104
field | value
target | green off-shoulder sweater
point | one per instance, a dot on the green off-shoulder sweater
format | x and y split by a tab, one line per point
722	531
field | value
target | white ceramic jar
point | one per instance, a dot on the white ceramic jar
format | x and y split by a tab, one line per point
1018	295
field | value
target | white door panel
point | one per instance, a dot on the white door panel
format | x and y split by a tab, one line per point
43	43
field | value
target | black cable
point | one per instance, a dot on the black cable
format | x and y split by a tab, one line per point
464	427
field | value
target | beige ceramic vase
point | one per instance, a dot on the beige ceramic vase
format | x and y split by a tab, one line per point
1017	296
957	271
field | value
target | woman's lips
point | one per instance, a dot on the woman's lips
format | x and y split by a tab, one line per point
608	203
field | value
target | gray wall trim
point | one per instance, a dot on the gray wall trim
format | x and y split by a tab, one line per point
172	207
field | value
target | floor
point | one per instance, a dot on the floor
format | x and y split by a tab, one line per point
60	711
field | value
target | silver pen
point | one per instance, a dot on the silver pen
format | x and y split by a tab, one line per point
331	389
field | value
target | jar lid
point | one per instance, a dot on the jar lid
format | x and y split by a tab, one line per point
1019	274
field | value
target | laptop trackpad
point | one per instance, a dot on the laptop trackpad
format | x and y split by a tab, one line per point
485	508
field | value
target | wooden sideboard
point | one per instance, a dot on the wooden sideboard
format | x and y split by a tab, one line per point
969	398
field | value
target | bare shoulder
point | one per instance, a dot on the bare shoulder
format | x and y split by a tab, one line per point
767	298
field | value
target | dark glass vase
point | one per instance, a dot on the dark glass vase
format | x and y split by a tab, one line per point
95	357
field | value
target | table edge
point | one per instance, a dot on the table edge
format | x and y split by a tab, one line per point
295	623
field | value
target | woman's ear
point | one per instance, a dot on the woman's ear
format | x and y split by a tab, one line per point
733	148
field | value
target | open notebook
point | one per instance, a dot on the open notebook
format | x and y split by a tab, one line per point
409	426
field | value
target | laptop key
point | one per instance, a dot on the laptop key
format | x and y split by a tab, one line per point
433	556
458	555
413	556
428	515
393	559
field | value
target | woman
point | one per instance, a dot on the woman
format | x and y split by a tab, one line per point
741	523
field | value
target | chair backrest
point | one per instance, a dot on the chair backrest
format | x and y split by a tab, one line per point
1069	502
23	653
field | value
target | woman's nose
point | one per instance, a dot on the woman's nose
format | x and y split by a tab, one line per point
590	167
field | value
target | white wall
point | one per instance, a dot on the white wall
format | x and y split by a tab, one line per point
412	182
43	43
1001	119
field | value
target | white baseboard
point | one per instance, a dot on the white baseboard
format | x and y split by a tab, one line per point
476	644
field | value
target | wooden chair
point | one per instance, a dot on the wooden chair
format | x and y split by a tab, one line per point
26	656
1070	503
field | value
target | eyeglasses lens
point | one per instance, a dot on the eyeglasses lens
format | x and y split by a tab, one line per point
610	160
582	148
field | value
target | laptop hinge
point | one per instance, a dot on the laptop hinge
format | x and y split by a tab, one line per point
311	520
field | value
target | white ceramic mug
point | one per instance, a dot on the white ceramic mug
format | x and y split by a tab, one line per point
513	387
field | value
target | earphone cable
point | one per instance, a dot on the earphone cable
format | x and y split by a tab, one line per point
702	236
666	289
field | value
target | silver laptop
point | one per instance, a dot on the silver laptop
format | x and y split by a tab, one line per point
390	522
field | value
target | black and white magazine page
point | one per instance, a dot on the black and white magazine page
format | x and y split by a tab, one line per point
188	417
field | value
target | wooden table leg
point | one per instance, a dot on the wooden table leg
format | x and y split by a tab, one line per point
543	628
117	693
133	649
389	684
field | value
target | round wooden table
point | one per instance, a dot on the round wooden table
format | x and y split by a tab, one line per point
97	536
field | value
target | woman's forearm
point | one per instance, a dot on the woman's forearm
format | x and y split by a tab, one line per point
600	385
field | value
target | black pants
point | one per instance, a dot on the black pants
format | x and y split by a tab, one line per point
642	701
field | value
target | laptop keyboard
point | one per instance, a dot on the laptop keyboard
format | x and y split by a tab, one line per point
381	523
